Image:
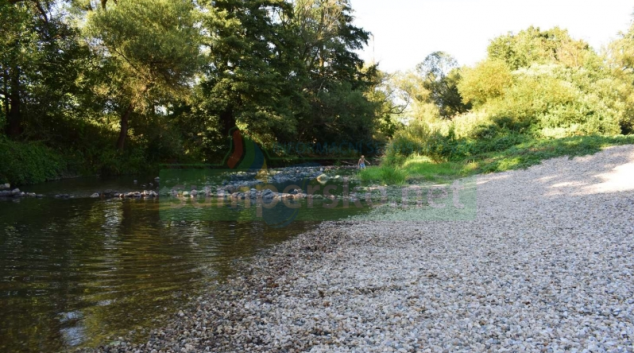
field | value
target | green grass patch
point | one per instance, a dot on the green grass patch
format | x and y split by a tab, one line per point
425	169
525	153
386	174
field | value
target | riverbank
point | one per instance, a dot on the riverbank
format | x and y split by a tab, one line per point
465	158
546	265
27	163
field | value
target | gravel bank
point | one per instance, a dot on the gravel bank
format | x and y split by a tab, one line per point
547	266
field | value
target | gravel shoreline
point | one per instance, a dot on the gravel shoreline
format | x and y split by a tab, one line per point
546	266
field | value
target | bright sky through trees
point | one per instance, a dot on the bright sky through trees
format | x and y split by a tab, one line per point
406	31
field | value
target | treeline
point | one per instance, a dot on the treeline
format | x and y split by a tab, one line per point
117	86
533	87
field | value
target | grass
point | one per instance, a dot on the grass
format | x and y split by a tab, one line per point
422	167
417	168
387	174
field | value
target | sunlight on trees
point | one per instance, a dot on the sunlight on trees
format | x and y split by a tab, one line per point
119	86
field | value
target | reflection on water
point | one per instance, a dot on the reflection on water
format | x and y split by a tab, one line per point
73	272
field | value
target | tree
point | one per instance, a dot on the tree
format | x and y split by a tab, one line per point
149	49
621	55
328	40
436	66
622	51
385	94
486	81
534	46
441	75
40	61
431	89
249	77
286	72
332	71
17	40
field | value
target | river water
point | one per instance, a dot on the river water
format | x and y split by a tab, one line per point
80	271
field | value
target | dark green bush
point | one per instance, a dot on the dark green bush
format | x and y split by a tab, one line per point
29	162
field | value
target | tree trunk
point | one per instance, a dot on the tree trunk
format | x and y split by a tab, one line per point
124	127
228	121
5	80
14	126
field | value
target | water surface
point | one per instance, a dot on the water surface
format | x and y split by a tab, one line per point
77	272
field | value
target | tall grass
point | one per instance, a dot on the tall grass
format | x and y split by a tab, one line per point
386	174
466	157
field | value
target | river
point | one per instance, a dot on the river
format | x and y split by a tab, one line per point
81	271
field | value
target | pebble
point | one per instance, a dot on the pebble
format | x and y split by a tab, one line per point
546	265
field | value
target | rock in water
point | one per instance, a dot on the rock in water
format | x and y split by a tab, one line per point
95	195
5	186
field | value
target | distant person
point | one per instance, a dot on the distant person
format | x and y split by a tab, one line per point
362	162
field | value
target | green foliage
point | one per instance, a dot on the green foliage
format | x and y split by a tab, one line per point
621	87
539	94
447	97
486	81
345	108
440	77
387	174
154	42
383	96
420	139
425	169
410	89
504	154
27	163
533	152
555	101
40	64
534	46
431	90
286	71
168	79
149	50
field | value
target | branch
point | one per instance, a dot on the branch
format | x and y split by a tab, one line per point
41	10
132	65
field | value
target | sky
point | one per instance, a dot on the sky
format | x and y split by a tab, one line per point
406	31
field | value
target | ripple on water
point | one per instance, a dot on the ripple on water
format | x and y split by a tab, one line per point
75	271
86	269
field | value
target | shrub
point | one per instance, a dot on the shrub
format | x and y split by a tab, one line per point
29	162
487	80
